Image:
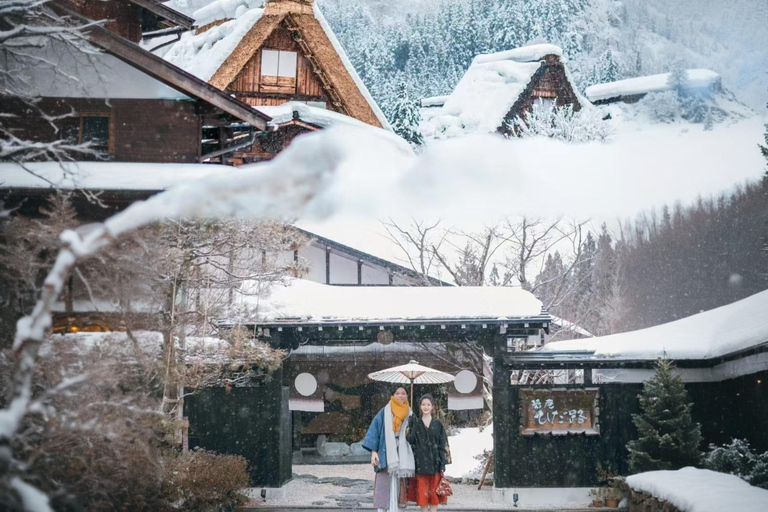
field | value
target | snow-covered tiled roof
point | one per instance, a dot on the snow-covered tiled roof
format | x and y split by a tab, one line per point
303	301
718	332
486	92
697	78
103	175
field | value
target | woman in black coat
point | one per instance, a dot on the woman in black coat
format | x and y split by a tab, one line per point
429	440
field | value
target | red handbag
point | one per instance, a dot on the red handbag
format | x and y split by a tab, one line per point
444	487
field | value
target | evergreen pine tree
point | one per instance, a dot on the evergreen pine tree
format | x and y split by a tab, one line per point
678	77
406	117
610	69
668	436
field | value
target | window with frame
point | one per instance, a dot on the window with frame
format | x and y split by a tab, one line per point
278	71
95	127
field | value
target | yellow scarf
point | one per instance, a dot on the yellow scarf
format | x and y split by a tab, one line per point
399	412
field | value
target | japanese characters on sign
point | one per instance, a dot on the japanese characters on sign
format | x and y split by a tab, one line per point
559	411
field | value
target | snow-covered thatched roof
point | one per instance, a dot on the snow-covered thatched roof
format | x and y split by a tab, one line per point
231	31
302	301
711	334
486	92
697	79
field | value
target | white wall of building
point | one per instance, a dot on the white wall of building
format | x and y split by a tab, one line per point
343	270
372	275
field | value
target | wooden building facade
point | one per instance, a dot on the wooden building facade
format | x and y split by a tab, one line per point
129	104
288	55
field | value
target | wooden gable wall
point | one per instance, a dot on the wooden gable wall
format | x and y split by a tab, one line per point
250	88
549	82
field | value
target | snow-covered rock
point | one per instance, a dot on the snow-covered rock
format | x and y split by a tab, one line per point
357	449
701	490
329	449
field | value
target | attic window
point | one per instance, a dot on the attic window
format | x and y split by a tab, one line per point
278	63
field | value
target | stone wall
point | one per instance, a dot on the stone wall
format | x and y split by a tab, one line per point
641	502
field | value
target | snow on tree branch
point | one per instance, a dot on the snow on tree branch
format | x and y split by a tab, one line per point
294	183
562	123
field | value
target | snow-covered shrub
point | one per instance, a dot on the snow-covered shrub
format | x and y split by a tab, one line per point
737	458
202	481
664	107
96	446
561	123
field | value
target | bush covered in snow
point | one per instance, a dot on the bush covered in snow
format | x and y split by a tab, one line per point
671	106
663	107
204	481
561	123
737	458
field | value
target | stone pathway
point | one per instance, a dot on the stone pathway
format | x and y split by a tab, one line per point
350	488
352	493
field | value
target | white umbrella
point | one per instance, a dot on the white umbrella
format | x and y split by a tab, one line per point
411	373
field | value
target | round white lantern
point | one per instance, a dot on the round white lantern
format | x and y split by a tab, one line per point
465	381
305	383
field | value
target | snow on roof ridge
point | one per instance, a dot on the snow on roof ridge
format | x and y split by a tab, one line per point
350	68
529	53
223	9
307	301
203	54
718	332
651	83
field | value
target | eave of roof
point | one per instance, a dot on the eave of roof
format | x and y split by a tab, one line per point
165	72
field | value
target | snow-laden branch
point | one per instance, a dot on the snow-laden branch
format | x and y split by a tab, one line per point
294	183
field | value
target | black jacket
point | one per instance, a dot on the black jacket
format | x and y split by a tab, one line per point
429	446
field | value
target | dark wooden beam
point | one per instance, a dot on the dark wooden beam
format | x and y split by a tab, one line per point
327	265
166	13
165	72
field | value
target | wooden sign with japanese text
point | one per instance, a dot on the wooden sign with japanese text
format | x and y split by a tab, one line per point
559	411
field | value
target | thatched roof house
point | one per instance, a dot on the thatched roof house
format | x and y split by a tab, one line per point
267	55
498	87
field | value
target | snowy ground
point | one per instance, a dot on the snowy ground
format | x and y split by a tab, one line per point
351	485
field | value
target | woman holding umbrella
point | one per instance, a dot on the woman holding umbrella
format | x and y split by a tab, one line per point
391	454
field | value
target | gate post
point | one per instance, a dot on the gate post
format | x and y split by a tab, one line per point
501	413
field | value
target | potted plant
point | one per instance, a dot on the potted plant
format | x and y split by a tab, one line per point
617	489
597	497
612	498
